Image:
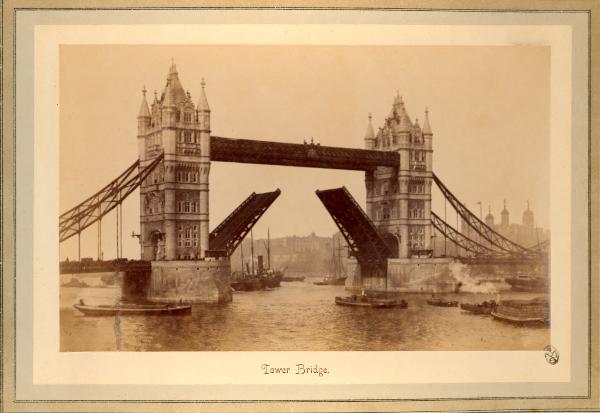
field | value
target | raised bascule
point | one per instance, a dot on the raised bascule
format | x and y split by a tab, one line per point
181	260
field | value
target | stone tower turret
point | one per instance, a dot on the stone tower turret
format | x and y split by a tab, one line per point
174	197
369	135
504	216
399	199
528	218
489	218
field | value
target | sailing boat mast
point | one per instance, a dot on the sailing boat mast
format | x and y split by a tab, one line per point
242	256
268	249
252	249
338	261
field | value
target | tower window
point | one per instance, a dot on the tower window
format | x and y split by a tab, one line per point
187	117
188	136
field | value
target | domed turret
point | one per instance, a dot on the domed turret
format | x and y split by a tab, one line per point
528	218
489	218
504	216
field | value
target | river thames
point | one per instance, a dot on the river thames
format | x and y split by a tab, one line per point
298	316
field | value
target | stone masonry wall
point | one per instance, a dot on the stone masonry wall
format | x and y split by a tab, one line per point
206	281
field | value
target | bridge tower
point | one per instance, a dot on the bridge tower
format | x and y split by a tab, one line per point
399	199
174	197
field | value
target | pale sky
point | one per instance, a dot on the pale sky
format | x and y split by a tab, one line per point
489	112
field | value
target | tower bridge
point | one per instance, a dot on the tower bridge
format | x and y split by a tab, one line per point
391	239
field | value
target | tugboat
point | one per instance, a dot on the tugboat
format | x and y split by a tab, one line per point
260	279
272	277
338	273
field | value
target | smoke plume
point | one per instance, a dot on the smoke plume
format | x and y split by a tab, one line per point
460	272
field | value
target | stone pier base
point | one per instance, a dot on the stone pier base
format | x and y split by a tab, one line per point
406	275
202	281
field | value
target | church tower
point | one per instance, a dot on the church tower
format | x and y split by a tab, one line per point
174	197
399	199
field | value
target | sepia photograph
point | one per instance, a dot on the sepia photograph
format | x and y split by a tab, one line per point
299	208
313	198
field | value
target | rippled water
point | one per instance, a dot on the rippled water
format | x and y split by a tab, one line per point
297	316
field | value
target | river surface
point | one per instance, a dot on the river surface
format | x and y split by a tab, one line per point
298	316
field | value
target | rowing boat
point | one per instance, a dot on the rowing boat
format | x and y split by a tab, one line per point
363	301
133	309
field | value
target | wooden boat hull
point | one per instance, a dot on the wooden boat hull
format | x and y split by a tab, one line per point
477	308
527	284
291	279
369	302
127	310
532	321
523	312
439	303
335	281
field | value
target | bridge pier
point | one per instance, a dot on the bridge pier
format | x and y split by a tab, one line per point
415	275
190	281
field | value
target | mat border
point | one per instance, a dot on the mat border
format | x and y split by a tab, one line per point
10	167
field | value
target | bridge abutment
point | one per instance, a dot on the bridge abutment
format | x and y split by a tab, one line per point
189	281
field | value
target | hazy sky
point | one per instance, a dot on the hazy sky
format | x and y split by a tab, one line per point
489	112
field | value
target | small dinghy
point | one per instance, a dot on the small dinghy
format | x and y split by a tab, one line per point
132	309
364	301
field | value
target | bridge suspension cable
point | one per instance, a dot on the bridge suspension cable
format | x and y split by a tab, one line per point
78	218
457	238
479	226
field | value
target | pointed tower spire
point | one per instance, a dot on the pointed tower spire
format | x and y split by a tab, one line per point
369	134
203	102
426	126
144	110
174	93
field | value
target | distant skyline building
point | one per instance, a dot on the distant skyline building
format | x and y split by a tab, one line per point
524	234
